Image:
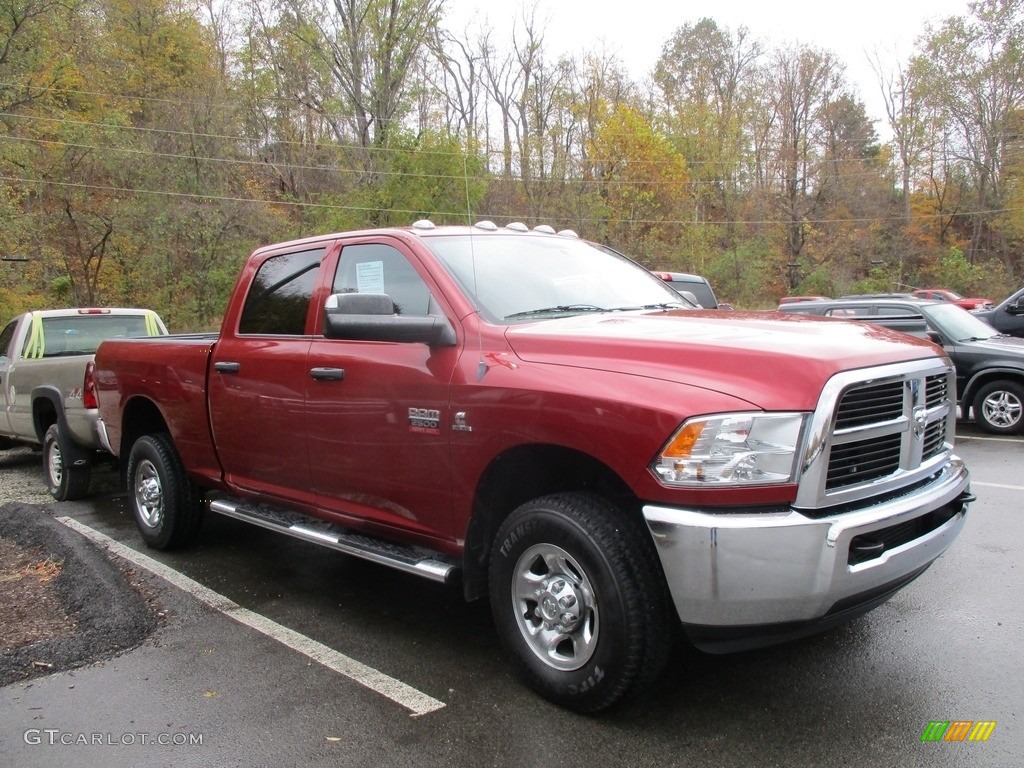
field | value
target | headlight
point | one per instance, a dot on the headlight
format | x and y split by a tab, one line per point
732	449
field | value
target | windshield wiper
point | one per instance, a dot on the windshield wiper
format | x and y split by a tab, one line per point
663	305
560	309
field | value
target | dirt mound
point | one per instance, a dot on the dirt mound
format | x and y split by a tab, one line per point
63	601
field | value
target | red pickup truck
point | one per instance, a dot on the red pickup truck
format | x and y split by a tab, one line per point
559	431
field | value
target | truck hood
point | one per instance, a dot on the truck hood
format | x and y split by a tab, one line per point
772	360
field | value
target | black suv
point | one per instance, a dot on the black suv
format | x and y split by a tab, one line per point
989	364
1008	316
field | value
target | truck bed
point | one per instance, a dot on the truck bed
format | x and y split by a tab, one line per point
168	370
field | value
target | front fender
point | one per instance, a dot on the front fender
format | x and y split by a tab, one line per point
986	375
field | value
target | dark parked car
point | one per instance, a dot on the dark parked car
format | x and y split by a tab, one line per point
695	284
1008	316
989	364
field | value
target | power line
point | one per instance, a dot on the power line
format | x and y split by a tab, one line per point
509	216
744	170
355	147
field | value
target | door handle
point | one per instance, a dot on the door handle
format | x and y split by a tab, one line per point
327	374
227	367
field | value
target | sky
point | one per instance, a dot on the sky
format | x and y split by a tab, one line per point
635	30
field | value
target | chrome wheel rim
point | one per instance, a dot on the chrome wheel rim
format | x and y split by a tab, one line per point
1002	409
149	494
55	465
555	607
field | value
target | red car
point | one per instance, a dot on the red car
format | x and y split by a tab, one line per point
941	294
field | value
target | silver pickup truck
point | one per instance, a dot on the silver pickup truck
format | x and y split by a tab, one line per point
49	400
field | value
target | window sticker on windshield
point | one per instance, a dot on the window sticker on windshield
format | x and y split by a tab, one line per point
370	277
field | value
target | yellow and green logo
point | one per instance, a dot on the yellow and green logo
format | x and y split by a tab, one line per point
958	730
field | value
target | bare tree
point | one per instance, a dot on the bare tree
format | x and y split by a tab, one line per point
372	48
805	82
905	112
974	74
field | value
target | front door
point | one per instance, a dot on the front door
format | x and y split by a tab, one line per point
377	418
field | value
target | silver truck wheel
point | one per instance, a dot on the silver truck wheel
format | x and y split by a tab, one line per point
164	500
149	495
579	600
999	408
555	606
65	483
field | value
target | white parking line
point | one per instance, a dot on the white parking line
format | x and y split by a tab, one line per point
415	701
961	438
998	485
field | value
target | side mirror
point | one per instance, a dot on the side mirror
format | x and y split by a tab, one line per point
372	317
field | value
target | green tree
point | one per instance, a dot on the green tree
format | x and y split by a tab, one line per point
641	180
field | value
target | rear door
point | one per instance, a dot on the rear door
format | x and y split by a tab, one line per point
378	421
258	377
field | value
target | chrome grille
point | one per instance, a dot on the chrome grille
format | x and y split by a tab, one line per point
871	404
863	460
934	440
937	388
878	430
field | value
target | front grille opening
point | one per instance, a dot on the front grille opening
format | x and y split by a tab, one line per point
870	405
863	460
936	388
869	546
934	440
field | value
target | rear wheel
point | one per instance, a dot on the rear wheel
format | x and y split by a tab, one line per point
164	500
65	482
999	408
579	601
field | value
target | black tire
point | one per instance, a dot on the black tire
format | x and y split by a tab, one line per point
65	483
164	500
579	600
999	408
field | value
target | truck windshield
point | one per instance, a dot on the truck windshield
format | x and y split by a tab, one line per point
957	323
524	277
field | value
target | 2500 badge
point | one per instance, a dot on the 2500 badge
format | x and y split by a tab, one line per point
426	420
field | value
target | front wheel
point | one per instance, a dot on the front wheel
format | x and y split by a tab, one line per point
164	500
999	408
579	601
64	481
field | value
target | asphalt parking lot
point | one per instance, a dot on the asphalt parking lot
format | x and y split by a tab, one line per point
272	652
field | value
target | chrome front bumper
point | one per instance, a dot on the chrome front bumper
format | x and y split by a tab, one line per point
736	571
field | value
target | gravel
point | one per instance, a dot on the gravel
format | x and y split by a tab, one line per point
21	477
